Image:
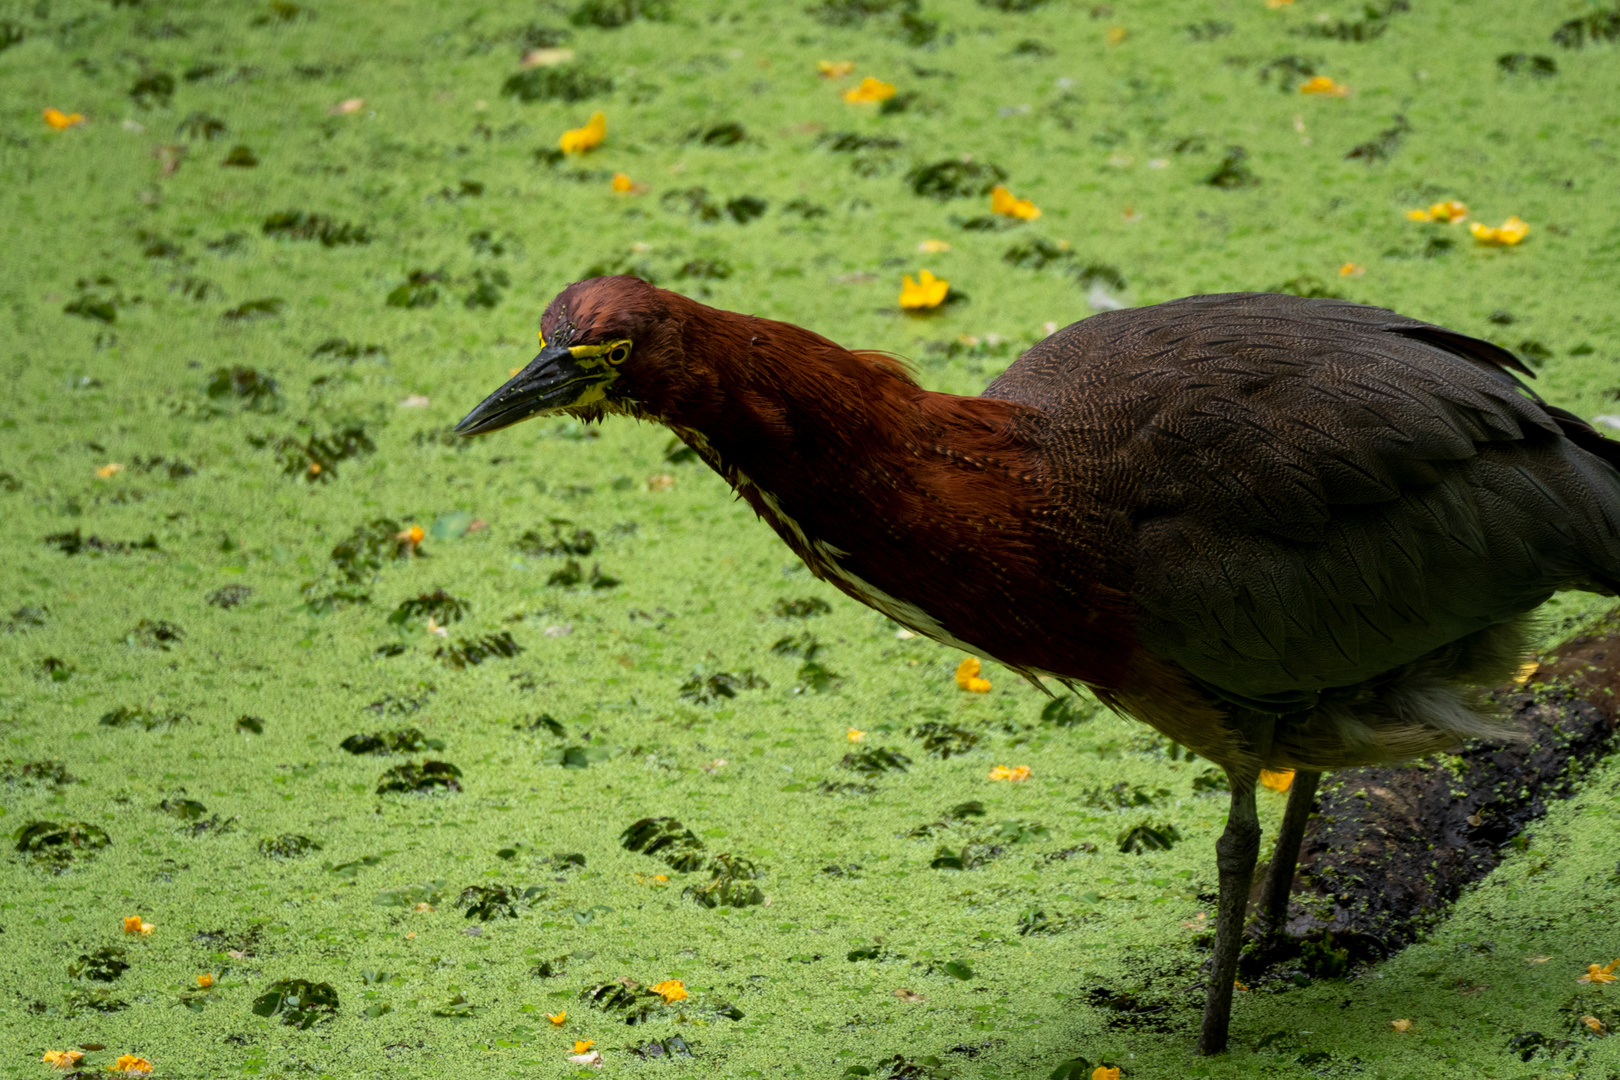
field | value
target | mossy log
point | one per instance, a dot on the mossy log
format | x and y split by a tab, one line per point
1388	849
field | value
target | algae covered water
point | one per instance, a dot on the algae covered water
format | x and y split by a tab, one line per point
410	754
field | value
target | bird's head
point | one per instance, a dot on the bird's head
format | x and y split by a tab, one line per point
608	344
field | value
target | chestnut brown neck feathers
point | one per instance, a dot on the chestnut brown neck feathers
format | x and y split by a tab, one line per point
929	507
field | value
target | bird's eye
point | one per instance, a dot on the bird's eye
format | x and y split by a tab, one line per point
618	354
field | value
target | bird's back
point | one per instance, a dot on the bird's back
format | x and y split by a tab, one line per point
1305	495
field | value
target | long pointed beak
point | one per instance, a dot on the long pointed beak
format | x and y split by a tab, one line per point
553	380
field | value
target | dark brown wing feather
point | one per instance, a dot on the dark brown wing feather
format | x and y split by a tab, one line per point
1309	493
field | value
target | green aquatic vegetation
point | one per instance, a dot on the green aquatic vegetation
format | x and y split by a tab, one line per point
399	741
301	225
668	839
299	1003
428	776
497	900
55	846
73	543
44	773
155	634
288	846
732	885
256	391
1148	837
470	652
106	964
142	717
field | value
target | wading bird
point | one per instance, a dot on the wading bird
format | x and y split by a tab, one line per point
1287	533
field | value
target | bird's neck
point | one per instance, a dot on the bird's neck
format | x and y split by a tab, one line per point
928	507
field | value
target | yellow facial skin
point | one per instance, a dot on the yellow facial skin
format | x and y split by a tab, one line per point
604	358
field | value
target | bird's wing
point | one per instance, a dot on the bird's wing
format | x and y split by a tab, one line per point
1312	492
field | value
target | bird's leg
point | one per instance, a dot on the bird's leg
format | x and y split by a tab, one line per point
1235	854
1280	874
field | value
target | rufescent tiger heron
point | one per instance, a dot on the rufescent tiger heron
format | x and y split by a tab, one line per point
1287	533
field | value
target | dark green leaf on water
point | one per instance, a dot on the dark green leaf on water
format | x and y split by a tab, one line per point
470	652
152	90
1208	30
299	225
695	201
544	722
816	677
1370	27
240	156
83	999
563	82
727	134
672	1046
41	773
353	868
252	725
1141	838
1598	26
1064	712
288	846
419	290
106	964
401	741
1123	795
677	452
732	884
612	14
1211	780
227	597
437	605
10	34
300	1003
958	969
944	740
577	542
746	208
875	761
805	646
55	669
201	125
364	552
954	178
865	952
1289	71
348	351
184	809
1518	63
256	391
497	901
72	543
706	689
802	608
1382	146
486	291
575	757
55	846
667	839
99	299
1233	171
155	634
395	705
426	777
1074	1069
805	209
263	308
430	893
550	969
141	717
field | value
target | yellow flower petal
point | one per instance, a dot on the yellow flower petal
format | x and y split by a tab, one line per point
670	990
109	470
869	91
834	69
1005	203
132	924
1401	1025
927	291
557	1018
1507	234
1321	84
1103	1072
1016	775
855	735
1418	215
61	121
1351	269
1597	974
1275	4
580	139
622	182
1280	780
933	247
582	1045
968	669
1117	34
61	1059
130	1065
205	980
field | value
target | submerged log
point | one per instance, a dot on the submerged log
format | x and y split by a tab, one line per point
1389	849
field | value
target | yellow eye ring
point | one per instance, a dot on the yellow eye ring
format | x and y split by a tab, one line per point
619	353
